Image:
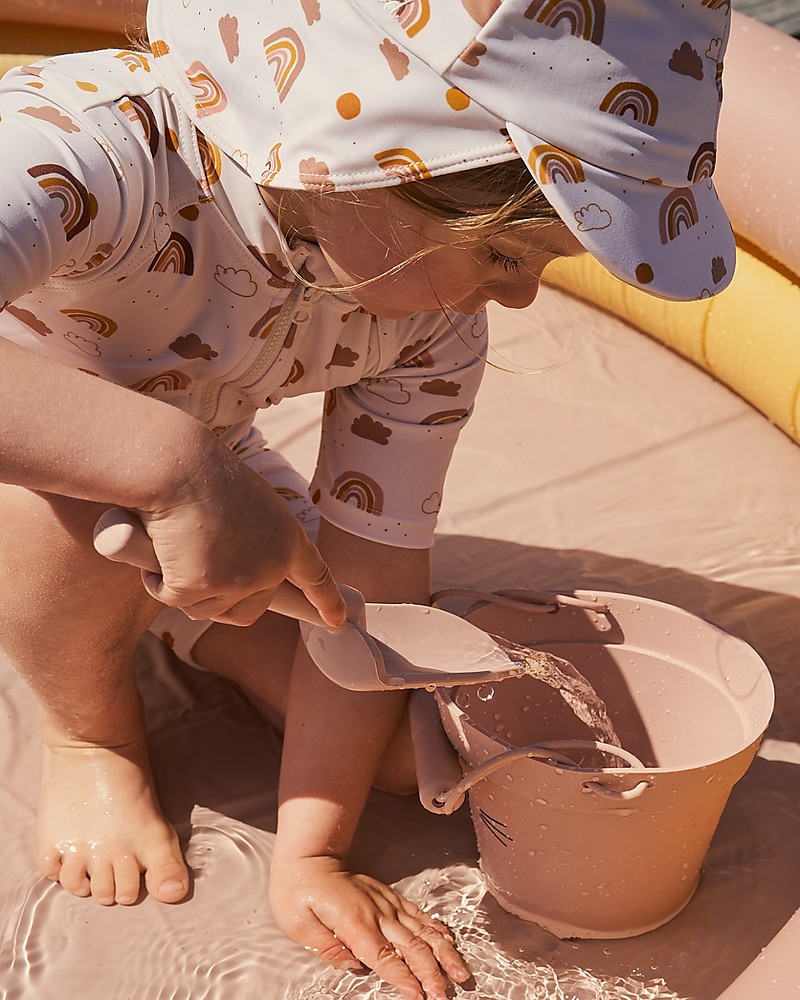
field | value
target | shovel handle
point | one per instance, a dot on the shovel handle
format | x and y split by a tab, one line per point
119	535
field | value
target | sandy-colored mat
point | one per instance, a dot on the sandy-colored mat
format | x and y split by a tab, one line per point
623	468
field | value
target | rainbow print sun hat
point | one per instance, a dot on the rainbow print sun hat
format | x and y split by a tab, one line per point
612	104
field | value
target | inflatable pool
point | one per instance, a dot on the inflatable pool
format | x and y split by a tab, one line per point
663	465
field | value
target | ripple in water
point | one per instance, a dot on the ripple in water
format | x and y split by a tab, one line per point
456	895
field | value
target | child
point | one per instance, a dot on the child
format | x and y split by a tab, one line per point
223	223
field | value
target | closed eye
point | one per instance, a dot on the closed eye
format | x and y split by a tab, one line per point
497	259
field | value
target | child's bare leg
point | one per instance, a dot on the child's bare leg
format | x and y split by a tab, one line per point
259	659
69	623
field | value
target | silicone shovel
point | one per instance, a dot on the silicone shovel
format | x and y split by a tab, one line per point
399	645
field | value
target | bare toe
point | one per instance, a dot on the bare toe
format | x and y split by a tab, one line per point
127	878
166	876
74	878
102	883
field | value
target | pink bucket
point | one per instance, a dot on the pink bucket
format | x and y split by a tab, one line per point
582	842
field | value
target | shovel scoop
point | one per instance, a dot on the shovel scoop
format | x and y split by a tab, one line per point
380	647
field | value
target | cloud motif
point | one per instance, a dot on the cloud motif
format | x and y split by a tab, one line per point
229	33
161	227
191	346
29	319
371	430
713	50
432	504
441	387
315	176
398	61
687	62
591	217
480	10
311	11
240	281
53	116
83	344
342	357
242	158
718	269
390	389
472	53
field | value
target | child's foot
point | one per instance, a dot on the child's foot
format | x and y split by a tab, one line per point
100	826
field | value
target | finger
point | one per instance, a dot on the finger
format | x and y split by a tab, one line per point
324	943
215	609
312	575
438	937
418	955
389	965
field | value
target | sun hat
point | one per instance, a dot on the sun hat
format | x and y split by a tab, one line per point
612	104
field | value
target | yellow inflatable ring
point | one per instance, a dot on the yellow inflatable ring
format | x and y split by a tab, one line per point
748	336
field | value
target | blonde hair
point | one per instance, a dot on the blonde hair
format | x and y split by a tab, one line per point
497	196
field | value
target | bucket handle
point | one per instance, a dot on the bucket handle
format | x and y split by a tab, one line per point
542	601
447	802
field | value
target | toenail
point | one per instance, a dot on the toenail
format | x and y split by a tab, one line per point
172	885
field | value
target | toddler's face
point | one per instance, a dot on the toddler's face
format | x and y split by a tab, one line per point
365	239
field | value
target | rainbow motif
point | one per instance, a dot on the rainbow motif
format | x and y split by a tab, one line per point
361	490
551	165
78	206
678	212
169	381
703	162
100	325
402	163
263	327
297	372
138	111
635	97
413	16
176	256
210	158
209	97
717	4
584	18
286	57
134	61
444	417
272	166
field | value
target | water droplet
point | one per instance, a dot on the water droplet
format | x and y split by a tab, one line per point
485	692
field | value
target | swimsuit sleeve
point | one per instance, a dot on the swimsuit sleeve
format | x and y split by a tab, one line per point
65	203
387	440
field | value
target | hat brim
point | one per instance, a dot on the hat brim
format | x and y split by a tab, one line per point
676	243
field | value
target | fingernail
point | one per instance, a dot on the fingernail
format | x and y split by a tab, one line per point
462	975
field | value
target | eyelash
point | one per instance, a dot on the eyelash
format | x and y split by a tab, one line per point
498	259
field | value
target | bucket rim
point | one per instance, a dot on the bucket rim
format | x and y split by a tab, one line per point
602	599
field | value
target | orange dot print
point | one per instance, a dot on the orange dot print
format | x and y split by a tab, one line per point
85	85
348	105
457	99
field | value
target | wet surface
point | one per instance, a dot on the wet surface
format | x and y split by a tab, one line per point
643	476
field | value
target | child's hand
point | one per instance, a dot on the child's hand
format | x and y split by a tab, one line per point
225	540
353	921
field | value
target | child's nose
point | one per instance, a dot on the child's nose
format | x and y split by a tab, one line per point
514	293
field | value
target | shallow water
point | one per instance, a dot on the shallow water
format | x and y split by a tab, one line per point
502	953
